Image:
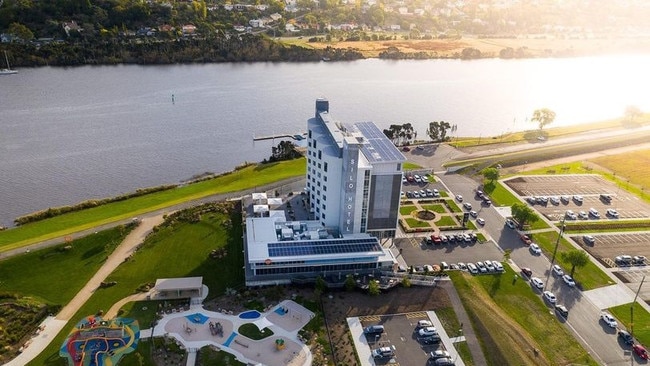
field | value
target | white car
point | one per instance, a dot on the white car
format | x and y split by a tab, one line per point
571	215
459	198
480	221
510	223
589	239
609	320
424	323
424	179
473	213
537	282
467	205
568	280
550	297
593	212
427	331
557	270
578	198
471	267
583	215
436	193
383	352
612	213
535	249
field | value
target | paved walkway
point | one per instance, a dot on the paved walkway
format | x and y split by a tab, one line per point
466	325
194	329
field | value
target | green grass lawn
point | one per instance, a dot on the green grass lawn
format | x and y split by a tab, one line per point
210	356
251	331
446	221
588	277
409	165
511	320
55	275
453	206
246	178
437	208
641	321
153	260
406	210
416	223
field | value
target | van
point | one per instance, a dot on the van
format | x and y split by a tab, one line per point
374	329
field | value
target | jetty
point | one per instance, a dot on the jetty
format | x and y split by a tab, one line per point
296	137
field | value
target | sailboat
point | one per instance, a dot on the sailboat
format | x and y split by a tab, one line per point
8	70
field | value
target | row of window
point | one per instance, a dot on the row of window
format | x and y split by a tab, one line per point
316	269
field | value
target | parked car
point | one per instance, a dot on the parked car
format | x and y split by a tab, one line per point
489	266
429	192
406	149
498	266
535	249
565	199
462	266
467	205
473	213
427	331
571	215
623	260
424	178
444	362
589	239
434	355
424	323
383	352
568	280
640	351
578	199
525	239
436	193
510	224
583	215
562	310
609	320
433	339
481	267
550	297
612	213
459	198
444	238
555	200
444	266
593	212
639	260
626	337
606	198
537	282
527	272
436	239
471	267
480	221
486	201
557	270
374	329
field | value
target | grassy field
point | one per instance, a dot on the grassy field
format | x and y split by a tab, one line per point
416	223
641	321
437	208
406	210
153	260
588	277
632	165
512	322
55	275
246	178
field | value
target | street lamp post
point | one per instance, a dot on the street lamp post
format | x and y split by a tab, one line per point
557	243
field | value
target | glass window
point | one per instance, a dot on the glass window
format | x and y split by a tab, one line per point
320	154
326	167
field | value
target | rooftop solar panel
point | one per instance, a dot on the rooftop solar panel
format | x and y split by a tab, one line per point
380	148
303	248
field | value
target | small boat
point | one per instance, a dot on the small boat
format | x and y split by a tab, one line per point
8	70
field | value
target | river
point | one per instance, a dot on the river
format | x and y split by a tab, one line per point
70	134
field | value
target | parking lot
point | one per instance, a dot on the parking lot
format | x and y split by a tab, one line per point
606	247
589	187
416	253
401	332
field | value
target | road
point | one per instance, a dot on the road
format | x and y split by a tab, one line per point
599	340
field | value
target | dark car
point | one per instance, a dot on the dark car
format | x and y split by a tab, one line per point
626	337
374	329
527	272
432	339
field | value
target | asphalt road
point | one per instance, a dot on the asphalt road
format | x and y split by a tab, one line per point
600	341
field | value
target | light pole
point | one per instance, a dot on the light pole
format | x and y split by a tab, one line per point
557	243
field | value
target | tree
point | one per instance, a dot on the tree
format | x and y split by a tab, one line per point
285	150
543	117
321	285
491	174
576	258
350	284
406	282
434	131
631	112
21	31
523	214
373	287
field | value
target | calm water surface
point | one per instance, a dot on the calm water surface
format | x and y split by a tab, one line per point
70	134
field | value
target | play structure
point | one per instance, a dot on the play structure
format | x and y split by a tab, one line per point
216	329
98	342
279	344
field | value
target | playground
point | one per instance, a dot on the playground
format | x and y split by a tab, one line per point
97	342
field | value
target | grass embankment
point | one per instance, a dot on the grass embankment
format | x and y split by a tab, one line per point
155	259
641	321
588	277
512	322
501	196
246	178
449	320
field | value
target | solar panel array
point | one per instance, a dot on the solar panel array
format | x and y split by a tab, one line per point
301	248
380	147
